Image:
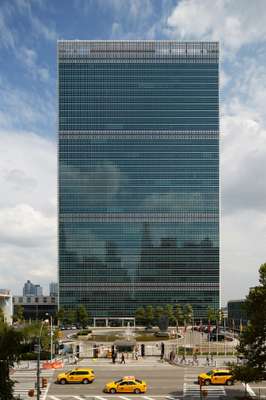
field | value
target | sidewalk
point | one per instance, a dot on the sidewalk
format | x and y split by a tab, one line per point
216	362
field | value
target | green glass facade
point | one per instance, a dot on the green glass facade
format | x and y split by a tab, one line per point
138	126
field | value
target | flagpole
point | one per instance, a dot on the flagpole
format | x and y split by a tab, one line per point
201	337
224	337
209	336
233	326
185	334
217	333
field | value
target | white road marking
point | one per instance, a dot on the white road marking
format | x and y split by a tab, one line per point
171	398
147	397
78	398
124	398
54	397
100	398
249	390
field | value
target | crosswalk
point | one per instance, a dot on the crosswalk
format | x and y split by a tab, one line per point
26	379
191	389
112	397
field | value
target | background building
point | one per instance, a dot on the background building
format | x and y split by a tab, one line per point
31	289
138	175
6	304
35	307
53	289
237	315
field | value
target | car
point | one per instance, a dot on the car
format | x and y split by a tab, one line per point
216	377
77	375
128	384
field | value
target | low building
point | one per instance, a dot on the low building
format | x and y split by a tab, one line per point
6	304
35	307
237	315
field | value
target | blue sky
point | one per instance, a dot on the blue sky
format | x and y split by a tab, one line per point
29	30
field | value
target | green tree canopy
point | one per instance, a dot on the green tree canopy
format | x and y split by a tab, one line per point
188	313
60	315
253	339
1	315
149	315
158	312
213	314
19	314
169	311
140	316
178	314
10	352
82	315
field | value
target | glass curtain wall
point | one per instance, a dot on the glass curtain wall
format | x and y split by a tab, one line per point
138	175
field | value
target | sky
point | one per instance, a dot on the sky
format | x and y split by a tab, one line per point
29	30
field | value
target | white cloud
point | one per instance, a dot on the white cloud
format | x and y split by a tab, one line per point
27	209
29	58
234	23
243	237
20	109
7	36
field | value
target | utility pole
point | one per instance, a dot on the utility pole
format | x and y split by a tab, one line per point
38	360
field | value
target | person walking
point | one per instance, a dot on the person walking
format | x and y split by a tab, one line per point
207	360
123	361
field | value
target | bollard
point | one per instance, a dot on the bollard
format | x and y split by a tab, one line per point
44	382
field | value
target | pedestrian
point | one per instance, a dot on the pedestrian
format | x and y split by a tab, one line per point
195	359
113	357
207	360
122	359
136	354
183	359
75	359
211	358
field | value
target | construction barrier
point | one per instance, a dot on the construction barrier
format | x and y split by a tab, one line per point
53	364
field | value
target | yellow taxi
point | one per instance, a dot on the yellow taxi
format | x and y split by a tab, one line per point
216	377
77	375
128	384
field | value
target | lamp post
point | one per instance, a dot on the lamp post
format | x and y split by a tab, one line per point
51	333
38	359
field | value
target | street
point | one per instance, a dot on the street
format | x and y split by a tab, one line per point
164	381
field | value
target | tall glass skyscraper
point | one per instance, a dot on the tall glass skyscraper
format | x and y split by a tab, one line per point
138	126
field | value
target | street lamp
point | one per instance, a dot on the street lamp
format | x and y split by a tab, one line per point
38	358
51	332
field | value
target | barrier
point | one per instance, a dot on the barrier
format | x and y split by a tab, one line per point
53	364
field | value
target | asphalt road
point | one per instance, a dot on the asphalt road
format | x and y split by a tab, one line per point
164	380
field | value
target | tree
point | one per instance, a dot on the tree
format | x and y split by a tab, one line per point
169	311
82	316
244	374
252	343
60	315
188	313
213	314
178	314
2	317
70	316
19	314
140	315
149	315
158	312
10	352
